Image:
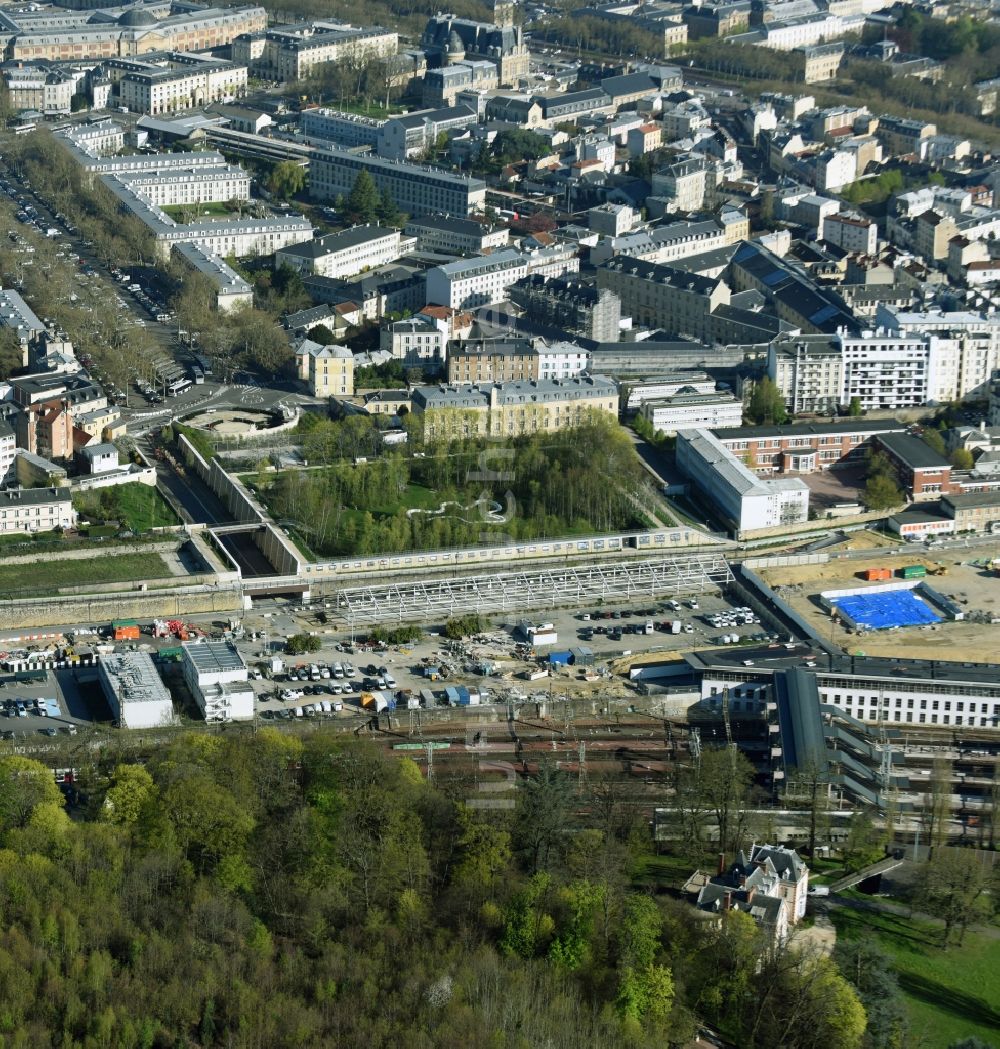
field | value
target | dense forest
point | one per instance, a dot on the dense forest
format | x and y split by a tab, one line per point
578	480
264	891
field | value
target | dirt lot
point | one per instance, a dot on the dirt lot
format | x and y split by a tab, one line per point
800	585
840	485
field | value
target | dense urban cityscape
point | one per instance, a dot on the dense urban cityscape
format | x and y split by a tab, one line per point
500	524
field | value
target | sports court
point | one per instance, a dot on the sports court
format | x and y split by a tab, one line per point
884	609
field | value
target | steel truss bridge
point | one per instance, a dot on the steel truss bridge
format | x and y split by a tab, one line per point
534	589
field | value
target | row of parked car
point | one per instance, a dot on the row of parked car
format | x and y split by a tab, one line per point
324	707
319	672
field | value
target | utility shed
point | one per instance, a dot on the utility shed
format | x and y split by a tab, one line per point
582	656
135	693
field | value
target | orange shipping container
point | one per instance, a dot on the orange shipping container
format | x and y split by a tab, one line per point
127	633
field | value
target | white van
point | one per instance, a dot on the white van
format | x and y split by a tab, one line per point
298	712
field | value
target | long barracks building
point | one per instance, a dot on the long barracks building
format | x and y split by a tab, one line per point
416	190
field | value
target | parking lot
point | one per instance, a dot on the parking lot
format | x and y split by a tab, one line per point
498	659
71	705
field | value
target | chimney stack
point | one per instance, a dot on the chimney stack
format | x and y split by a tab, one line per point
727	901
751	892
722	863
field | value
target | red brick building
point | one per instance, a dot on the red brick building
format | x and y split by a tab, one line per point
803	447
922	472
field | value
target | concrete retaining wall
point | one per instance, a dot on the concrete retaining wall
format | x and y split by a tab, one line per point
92	609
235	497
780	560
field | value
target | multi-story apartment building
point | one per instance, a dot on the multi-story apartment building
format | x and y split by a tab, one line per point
882	369
8	452
75	36
510	409
289	52
612	220
341	254
683	119
407	136
331	372
40	87
467	283
965	346
492	361
514	360
455	236
571	305
344	129
901	135
186	82
45	428
664	297
743	500
36	510
682	184
416	190
850	233
803	447
419	340
203	185
669	243
809	372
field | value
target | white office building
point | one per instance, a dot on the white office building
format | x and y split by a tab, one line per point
217	679
343	129
480	281
688	409
342	254
134	691
745	501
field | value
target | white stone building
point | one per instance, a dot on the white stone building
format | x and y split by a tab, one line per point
468	283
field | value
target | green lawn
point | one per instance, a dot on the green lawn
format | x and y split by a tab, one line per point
26	580
138	506
668	872
950	994
184	213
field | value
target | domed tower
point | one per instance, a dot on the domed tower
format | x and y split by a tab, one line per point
454	50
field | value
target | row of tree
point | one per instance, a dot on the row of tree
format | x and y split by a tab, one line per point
268	891
578	480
